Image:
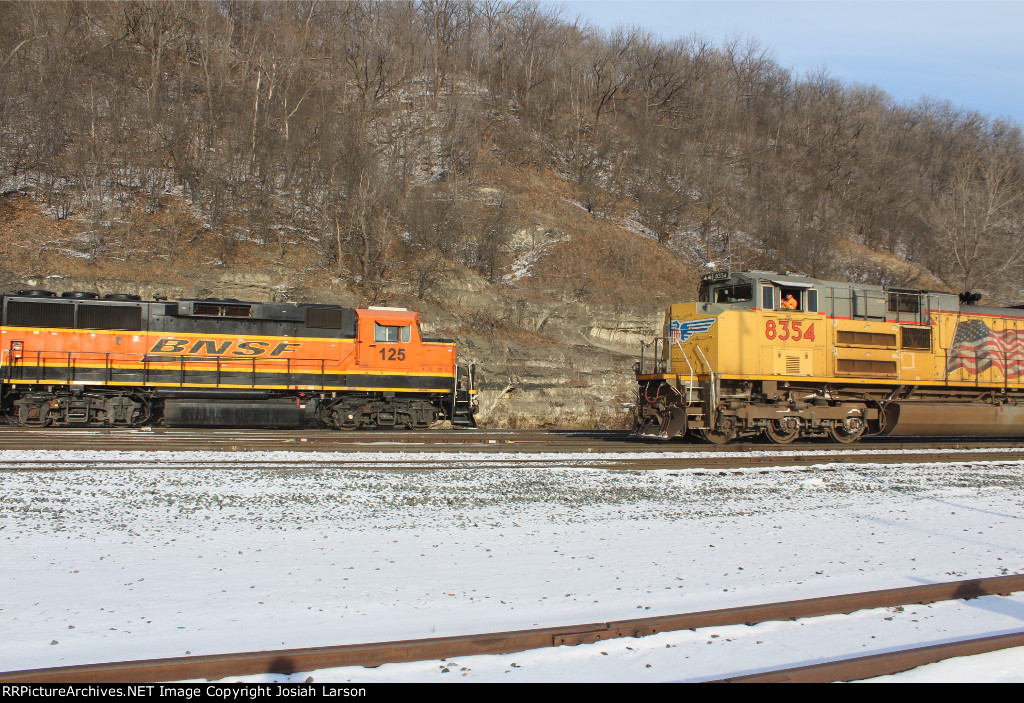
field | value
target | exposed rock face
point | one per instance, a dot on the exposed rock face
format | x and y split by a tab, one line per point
575	372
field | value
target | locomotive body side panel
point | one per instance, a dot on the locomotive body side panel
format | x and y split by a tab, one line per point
89	361
223	359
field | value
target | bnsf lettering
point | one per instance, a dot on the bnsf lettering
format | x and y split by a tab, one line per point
284	347
169	346
251	348
211	347
206	346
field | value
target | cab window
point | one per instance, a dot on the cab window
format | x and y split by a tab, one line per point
812	300
791	299
391	333
768	298
739	293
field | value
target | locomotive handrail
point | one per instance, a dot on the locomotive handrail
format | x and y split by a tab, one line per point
642	369
108	364
146	357
689	389
712	394
657	365
455	389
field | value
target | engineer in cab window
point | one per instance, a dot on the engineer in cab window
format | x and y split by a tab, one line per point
789	302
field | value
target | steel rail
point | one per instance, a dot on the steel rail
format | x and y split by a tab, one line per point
289	661
519	445
883	664
522	440
698	465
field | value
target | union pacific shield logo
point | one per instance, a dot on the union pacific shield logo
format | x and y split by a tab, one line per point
682	330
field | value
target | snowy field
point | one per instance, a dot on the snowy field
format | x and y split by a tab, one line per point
107	565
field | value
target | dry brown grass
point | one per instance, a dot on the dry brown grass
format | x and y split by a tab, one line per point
171	245
174	245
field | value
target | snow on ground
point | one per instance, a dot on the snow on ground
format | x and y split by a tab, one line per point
160	561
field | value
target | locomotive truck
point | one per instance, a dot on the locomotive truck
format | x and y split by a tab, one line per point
80	360
850	360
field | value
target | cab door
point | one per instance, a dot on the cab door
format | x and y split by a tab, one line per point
386	339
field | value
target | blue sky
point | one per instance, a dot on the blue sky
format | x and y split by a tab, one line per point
970	53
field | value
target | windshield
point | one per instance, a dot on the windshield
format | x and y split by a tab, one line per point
738	293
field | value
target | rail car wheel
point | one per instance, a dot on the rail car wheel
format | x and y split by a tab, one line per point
33	412
717	436
848	431
782	431
143	415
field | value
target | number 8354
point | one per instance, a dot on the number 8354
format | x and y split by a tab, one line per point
792	330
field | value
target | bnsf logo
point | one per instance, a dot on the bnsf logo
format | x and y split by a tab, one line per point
210	347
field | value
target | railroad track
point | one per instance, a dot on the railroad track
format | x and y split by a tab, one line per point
860	668
232	449
442	440
375	654
696	465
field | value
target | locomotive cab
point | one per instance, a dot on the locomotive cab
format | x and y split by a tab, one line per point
746	329
753	355
769	292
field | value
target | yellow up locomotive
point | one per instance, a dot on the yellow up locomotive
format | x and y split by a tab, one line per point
788	356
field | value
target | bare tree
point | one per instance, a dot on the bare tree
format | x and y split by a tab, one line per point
979	218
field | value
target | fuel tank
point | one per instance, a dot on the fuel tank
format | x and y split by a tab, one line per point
954	419
233	413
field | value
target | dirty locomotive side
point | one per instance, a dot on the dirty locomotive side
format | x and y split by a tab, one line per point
786	356
79	360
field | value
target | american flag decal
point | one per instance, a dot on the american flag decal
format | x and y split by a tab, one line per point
682	330
976	348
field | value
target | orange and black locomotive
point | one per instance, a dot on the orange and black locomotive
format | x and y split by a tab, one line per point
79	360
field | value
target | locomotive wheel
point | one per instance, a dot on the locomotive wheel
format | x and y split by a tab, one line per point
847	432
777	433
145	414
717	436
36	415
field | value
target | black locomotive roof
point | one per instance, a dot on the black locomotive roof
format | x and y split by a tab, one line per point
184	306
214	315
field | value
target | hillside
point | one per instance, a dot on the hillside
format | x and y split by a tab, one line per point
538	189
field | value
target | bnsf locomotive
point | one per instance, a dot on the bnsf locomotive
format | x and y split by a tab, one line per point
786	356
78	360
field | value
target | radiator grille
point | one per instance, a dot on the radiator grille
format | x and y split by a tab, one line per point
222	310
110	317
793	365
325	318
871	367
21	313
866	339
917	337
